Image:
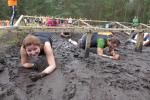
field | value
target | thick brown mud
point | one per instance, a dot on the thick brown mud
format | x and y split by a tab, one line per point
76	77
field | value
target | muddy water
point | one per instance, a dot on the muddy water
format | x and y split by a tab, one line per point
76	77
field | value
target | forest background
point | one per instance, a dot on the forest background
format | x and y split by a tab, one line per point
110	10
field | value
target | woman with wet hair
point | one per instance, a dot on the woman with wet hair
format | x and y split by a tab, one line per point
34	45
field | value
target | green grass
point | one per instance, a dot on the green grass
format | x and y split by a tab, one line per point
18	39
10	39
1	33
12	42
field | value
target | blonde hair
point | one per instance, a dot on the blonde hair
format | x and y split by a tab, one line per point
31	40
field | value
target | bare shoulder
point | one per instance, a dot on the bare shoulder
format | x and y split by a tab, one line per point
47	47
22	50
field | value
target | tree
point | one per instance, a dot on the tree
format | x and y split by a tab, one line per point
119	10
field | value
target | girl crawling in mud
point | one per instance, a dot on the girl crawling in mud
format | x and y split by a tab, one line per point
34	45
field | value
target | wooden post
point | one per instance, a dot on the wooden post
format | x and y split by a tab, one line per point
18	21
139	42
88	43
79	23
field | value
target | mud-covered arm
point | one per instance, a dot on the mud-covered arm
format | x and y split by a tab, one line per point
50	58
100	53
100	48
115	56
24	59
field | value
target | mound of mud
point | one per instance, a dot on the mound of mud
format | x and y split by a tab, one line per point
76	77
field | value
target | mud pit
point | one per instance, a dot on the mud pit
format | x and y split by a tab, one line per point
76	77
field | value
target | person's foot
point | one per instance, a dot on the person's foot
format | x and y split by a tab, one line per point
66	34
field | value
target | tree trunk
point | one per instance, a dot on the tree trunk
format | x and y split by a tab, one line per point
88	43
139	43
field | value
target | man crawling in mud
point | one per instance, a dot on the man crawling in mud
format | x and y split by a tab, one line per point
133	38
104	42
33	47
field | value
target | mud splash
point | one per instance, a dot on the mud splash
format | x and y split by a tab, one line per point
76	77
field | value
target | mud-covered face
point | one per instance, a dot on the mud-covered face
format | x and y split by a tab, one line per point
33	50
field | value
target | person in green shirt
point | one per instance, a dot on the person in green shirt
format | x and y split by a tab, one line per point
105	45
135	22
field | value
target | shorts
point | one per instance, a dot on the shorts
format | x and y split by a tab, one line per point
44	36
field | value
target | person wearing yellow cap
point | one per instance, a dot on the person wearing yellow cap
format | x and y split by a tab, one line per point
12	4
104	43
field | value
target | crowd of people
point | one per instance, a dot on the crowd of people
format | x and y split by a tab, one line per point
47	21
4	23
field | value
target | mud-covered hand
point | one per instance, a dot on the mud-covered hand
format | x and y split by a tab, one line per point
40	63
35	76
116	57
35	66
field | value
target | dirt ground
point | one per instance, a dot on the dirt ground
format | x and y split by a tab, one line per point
76	77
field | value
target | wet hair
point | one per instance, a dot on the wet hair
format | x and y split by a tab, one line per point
114	41
31	40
